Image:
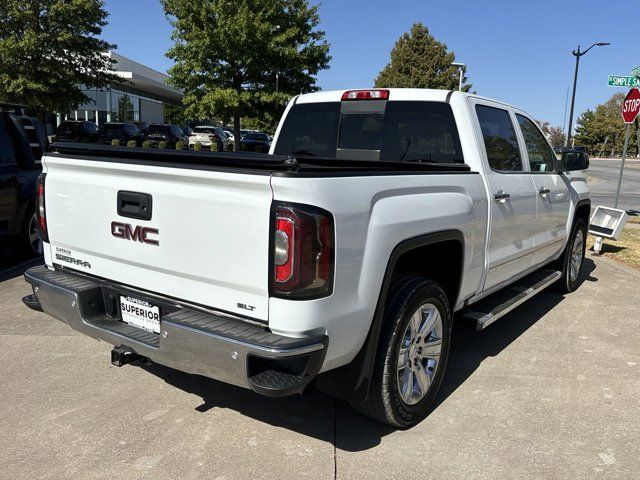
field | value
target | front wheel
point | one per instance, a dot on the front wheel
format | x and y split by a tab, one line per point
573	257
412	353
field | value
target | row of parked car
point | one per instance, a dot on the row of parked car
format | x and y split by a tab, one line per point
161	134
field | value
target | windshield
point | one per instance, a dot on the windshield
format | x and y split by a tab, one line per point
261	137
163	129
112	127
70	127
204	130
413	131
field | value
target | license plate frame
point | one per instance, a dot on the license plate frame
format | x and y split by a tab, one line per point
140	313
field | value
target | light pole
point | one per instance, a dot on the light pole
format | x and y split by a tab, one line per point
577	53
460	68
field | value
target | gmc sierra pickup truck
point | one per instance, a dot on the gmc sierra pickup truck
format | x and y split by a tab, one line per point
337	261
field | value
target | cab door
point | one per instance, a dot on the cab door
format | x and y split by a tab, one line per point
512	206
552	188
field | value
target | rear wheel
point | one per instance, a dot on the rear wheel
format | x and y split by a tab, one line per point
29	238
412	353
573	257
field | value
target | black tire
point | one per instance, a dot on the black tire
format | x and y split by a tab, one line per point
384	401
26	244
568	283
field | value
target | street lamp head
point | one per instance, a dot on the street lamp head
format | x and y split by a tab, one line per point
602	44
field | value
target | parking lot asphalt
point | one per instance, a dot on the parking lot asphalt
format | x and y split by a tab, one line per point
552	390
604	175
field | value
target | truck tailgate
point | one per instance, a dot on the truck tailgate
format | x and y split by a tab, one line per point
212	230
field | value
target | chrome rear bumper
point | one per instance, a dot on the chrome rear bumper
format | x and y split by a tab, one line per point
216	346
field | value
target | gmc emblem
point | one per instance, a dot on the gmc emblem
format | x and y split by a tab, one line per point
136	234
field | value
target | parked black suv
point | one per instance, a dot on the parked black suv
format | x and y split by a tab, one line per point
77	131
22	143
255	142
123	132
171	134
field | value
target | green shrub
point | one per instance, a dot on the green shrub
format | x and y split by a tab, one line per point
132	143
146	144
214	146
162	145
197	146
179	145
115	142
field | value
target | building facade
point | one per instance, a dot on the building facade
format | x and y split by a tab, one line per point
141	96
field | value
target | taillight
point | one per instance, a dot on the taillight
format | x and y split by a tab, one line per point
302	251
40	208
365	95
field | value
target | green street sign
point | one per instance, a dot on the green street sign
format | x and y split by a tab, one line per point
622	81
636	72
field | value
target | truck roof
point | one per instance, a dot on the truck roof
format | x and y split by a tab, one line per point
424	94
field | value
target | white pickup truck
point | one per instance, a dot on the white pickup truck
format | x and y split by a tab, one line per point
336	262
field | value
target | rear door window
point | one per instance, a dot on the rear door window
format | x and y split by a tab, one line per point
500	141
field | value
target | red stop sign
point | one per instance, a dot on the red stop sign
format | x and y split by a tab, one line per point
631	106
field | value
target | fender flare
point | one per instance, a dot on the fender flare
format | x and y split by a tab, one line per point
351	382
585	201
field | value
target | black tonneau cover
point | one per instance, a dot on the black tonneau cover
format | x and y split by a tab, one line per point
248	160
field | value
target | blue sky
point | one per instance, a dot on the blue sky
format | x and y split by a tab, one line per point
518	52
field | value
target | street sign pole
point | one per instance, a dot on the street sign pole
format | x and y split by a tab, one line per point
624	157
630	111
603	145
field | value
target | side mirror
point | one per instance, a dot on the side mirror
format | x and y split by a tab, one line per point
575	160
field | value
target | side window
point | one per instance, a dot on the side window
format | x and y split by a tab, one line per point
500	139
541	157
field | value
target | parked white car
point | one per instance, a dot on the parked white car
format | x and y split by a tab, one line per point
206	135
335	262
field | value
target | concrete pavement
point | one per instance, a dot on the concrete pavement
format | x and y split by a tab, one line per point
552	390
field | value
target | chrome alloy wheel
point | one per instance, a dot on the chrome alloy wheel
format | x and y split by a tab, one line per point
576	255
419	353
34	236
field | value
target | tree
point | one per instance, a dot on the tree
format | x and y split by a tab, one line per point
604	126
49	49
418	60
544	126
556	137
227	54
125	108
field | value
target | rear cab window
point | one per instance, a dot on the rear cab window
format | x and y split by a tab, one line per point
389	131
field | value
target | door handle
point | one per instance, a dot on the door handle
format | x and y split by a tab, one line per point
134	205
543	192
501	196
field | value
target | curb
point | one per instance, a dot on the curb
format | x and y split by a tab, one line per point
615	264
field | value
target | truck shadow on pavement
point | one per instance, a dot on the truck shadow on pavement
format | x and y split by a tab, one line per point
322	417
471	347
14	261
